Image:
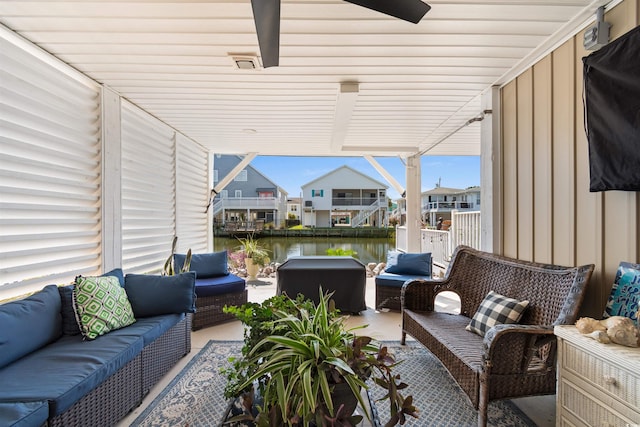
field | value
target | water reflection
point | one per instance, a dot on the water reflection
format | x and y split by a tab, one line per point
280	248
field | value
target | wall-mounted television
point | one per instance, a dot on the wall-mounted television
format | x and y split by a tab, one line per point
612	114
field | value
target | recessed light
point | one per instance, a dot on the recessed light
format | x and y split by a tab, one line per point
245	61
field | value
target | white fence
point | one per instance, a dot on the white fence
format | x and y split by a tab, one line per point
464	230
437	242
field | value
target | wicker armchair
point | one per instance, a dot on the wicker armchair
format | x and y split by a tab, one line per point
511	360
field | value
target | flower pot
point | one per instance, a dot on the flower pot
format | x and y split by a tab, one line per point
252	269
342	395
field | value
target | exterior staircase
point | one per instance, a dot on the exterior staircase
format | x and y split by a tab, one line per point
365	213
217	207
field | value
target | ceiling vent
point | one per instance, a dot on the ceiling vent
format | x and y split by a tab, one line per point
244	61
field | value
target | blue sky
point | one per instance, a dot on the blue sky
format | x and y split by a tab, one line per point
291	173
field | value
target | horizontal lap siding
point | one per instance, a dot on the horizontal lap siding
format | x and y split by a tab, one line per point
192	196
50	171
148	191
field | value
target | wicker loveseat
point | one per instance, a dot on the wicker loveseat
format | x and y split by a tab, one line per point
511	360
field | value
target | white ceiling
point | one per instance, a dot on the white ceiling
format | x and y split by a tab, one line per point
417	83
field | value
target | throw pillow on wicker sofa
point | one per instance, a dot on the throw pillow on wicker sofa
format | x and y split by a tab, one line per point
101	305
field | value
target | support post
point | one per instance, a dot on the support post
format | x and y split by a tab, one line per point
413	203
111	180
490	174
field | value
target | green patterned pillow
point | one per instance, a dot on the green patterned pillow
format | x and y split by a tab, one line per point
101	305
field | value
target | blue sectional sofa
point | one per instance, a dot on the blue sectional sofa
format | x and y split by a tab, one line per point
50	374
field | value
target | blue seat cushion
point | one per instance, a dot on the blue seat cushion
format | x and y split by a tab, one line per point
66	370
396	280
24	414
29	323
150	328
220	285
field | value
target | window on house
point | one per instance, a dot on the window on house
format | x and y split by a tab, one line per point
317	193
294	208
238	193
224	194
215	175
242	176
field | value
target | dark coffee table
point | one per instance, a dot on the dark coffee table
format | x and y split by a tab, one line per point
345	276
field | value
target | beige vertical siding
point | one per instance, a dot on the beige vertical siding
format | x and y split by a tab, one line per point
524	117
549	213
509	178
542	162
563	182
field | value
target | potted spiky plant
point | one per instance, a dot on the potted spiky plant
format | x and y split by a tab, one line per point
255	256
307	368
169	267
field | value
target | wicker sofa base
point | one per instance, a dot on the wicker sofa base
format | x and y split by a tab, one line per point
124	390
388	297
209	309
161	355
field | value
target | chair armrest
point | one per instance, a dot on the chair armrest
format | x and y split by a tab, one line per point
519	348
419	294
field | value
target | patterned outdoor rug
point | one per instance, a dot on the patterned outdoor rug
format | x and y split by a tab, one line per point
194	398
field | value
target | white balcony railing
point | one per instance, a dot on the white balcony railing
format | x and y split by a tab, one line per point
464	230
447	206
246	203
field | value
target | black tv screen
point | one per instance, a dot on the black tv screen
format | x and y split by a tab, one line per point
612	114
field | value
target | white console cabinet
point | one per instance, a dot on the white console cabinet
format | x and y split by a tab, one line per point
598	384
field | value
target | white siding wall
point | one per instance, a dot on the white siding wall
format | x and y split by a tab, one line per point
50	170
148	191
84	188
193	171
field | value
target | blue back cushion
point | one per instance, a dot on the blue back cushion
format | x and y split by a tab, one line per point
151	295
29	324
116	272
205	265
410	263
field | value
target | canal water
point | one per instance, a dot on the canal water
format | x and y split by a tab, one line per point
280	248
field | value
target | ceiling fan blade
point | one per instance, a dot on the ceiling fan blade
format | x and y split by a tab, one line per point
408	10
266	14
